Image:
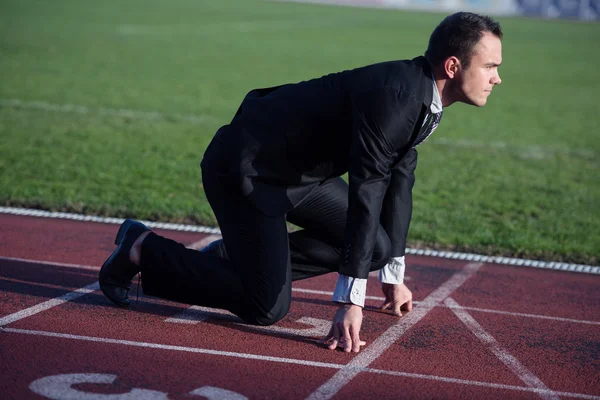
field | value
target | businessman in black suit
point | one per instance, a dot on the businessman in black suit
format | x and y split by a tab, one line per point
281	159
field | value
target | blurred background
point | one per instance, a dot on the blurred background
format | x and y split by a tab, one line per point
106	108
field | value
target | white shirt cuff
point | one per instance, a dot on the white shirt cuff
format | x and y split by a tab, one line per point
350	290
393	271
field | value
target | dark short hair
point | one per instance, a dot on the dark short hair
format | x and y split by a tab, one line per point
457	36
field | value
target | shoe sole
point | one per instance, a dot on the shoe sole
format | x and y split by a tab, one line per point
114	300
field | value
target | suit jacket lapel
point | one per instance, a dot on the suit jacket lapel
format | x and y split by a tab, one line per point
427	90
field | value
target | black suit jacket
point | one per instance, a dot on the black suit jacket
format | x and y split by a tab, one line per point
285	140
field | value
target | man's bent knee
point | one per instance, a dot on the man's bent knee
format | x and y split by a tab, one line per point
259	316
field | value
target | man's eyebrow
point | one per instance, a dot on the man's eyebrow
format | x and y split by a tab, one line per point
492	64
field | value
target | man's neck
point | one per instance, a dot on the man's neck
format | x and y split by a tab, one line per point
443	87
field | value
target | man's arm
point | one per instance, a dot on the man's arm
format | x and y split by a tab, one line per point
395	219
397	205
383	122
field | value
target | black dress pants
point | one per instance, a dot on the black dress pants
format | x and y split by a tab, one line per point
255	281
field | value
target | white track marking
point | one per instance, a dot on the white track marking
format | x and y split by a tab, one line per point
111	112
517	314
60	387
200	244
481	384
392	334
189	316
46	305
287	361
329	294
589	269
34	283
215	393
175	348
484	310
502	354
105	220
197	314
55	264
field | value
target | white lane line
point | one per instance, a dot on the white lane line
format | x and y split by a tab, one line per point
55	264
46	305
112	112
484	310
329	294
516	314
481	384
471	257
175	348
287	361
392	334
34	283
200	244
502	354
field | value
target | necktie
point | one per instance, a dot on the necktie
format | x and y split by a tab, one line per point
434	121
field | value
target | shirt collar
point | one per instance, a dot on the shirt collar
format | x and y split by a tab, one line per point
436	102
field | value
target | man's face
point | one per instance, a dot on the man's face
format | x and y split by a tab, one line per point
476	82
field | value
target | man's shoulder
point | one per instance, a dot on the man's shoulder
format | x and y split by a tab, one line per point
406	65
394	73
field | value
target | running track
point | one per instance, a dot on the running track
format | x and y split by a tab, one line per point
478	330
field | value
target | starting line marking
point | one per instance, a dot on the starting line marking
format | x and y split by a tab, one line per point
589	269
392	334
291	361
502	354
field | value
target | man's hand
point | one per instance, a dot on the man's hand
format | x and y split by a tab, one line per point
345	329
397	298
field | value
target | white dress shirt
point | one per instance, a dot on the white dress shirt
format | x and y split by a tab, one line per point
353	290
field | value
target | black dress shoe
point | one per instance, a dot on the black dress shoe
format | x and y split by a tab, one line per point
118	271
216	248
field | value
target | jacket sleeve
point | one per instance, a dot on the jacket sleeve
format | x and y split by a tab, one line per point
397	203
382	123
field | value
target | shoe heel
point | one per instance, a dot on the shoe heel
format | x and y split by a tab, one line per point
122	231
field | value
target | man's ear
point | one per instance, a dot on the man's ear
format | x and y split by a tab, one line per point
452	66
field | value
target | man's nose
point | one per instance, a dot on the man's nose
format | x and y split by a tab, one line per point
496	80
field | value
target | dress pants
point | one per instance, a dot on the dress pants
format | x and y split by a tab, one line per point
255	280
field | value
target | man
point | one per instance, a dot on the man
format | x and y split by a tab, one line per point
280	159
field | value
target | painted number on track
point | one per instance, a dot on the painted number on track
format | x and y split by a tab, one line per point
60	387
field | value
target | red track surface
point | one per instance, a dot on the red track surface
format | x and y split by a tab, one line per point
477	331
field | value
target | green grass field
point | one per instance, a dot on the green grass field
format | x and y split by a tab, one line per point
106	108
